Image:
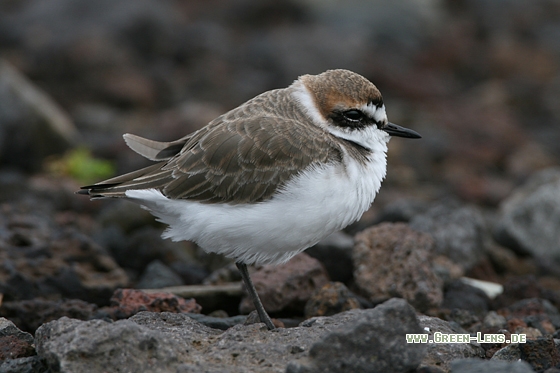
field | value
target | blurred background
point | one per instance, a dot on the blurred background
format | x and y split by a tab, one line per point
479	79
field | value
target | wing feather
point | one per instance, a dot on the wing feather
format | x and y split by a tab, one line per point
243	156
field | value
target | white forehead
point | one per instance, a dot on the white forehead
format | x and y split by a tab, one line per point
376	112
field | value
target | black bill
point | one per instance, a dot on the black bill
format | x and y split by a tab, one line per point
395	130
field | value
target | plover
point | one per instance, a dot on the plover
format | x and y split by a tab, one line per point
271	177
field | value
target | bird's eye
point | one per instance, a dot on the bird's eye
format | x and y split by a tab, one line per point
353	115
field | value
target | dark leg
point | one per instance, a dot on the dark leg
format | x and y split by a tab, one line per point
254	296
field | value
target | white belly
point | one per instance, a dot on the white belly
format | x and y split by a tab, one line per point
317	203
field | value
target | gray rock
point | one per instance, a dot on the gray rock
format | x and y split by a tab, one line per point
459	231
479	365
441	355
493	321
221	323
374	342
157	275
7	328
403	210
530	217
70	345
169	342
509	353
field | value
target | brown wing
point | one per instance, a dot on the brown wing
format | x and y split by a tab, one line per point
245	161
234	161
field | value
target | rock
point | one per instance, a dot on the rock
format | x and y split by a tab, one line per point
509	353
222	323
32	364
223	275
463	296
32	125
493	322
189	273
128	302
529	217
172	342
374	342
69	345
535	313
157	275
391	260
331	299
335	253
505	260
30	314
72	265
540	353
287	287
144	245
465	319
441	355
516	289
446	269
458	231
14	343
494	366
402	210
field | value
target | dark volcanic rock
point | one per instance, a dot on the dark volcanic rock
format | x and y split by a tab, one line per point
287	287
30	314
391	260
157	275
530	217
13	342
466	297
335	253
535	313
540	353
457	230
441	355
331	299
384	329
31	364
40	258
494	366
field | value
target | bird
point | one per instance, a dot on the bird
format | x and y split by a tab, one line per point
271	177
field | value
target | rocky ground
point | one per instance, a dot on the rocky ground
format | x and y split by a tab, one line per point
463	238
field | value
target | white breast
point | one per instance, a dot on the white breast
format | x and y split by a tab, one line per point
319	201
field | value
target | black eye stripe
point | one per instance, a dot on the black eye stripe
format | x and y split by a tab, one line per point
351	118
353	115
